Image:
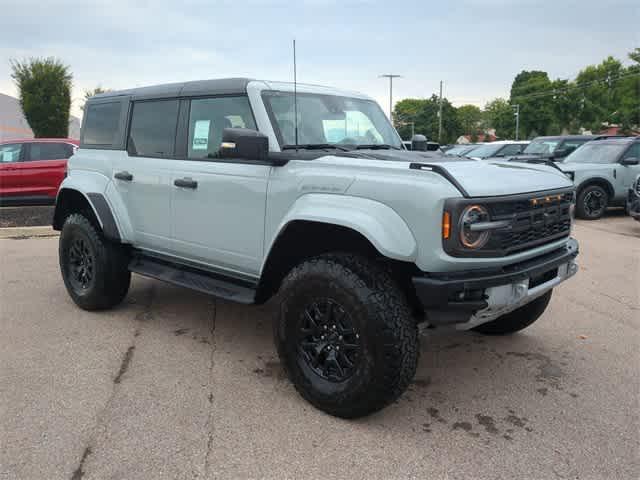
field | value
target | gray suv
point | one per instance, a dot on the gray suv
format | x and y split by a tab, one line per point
254	190
603	171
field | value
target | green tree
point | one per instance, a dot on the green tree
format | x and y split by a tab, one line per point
498	115
470	118
599	97
92	93
531	90
628	94
424	114
44	86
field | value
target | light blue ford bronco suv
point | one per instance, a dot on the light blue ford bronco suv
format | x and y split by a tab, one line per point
250	190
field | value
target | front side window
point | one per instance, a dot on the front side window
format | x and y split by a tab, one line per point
596	153
10	153
101	124
209	117
329	119
573	144
633	152
49	151
513	149
153	128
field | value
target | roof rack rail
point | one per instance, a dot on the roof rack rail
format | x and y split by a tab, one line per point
604	137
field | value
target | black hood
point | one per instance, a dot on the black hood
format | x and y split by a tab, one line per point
373	154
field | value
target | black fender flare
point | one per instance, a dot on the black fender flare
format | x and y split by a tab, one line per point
67	202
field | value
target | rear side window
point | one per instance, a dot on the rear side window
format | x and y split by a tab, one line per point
10	153
153	128
512	150
101	124
49	151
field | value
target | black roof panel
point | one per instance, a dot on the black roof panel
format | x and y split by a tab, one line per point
221	86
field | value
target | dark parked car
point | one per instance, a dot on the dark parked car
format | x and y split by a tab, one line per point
31	170
552	148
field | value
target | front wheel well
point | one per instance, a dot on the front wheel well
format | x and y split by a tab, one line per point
600	182
302	239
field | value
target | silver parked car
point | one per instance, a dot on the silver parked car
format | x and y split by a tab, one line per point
603	171
243	189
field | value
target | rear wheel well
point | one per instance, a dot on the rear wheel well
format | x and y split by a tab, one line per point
72	201
301	240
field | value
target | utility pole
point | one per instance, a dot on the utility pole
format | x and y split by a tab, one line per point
440	114
516	113
390	76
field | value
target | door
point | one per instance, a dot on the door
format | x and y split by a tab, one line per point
142	174
10	155
218	204
628	173
43	168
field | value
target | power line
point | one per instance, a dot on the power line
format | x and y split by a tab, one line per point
556	91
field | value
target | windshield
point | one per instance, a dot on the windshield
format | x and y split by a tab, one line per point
485	151
541	147
596	153
461	149
329	120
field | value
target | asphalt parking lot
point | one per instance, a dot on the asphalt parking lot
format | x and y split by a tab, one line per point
174	384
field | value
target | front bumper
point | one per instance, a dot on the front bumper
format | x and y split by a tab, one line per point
470	298
633	204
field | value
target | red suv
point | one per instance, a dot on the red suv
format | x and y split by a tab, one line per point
31	170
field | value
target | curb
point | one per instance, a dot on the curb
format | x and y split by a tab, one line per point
20	233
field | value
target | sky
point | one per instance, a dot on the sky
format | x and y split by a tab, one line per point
475	47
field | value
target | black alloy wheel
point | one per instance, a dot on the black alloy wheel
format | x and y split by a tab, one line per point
328	342
81	264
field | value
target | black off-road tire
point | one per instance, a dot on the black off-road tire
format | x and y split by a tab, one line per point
110	277
387	347
583	210
518	319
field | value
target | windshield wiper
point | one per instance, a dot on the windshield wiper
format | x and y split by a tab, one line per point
315	146
377	146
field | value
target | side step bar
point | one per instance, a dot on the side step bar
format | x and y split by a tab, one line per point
192	278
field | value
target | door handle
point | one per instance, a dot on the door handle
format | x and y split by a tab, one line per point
186	183
126	176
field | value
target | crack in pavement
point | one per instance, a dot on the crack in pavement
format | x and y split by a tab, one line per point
208	425
140	317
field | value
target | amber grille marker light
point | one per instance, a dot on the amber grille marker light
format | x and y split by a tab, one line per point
446	225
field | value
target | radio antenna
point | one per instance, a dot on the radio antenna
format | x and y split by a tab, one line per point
295	95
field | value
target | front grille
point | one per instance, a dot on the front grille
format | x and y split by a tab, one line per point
637	187
534	221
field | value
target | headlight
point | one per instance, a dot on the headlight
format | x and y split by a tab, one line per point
469	237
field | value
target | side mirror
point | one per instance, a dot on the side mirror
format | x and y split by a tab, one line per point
419	143
561	152
245	144
629	161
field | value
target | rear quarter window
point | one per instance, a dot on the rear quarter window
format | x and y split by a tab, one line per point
101	125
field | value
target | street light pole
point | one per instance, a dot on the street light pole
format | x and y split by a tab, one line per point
517	115
440	114
390	76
